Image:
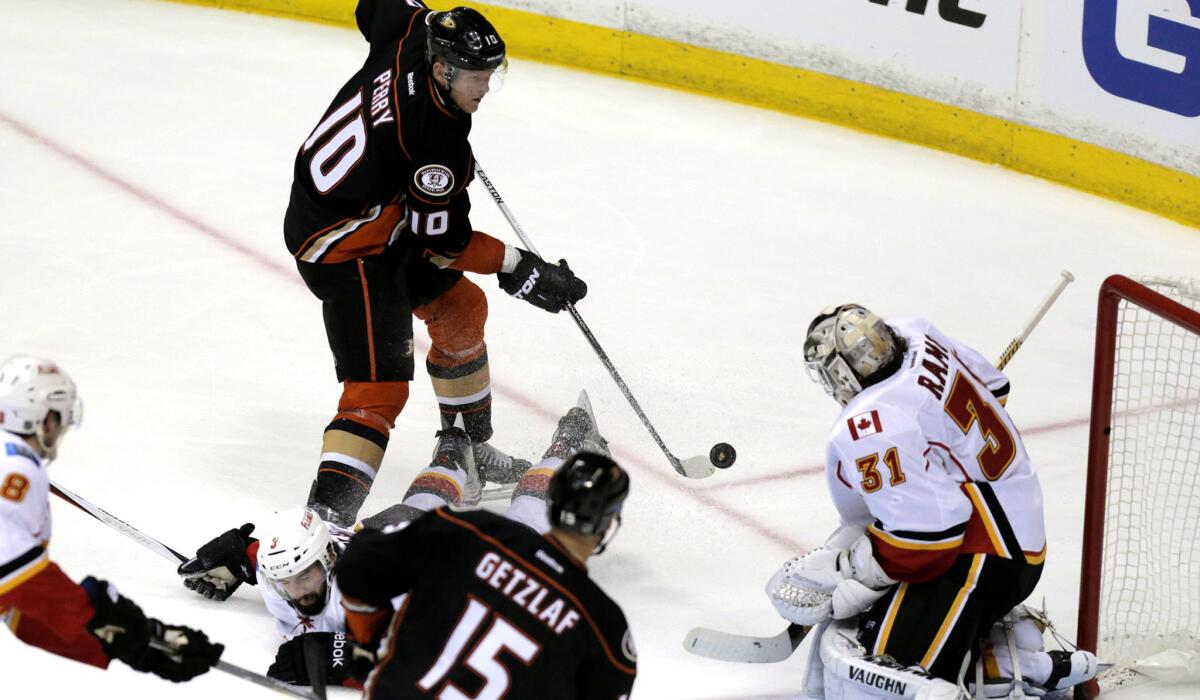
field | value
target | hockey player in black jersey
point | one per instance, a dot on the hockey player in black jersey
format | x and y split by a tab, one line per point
378	222
492	608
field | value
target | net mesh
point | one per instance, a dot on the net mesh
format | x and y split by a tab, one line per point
1150	577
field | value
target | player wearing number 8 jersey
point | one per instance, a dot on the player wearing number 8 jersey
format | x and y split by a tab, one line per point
378	222
942	530
90	621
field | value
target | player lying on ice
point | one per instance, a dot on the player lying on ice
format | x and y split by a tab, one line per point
297	552
942	537
89	622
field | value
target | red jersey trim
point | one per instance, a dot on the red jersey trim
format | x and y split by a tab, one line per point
912	559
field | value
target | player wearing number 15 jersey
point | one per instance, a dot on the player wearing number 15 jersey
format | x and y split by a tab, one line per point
378	222
942	529
495	610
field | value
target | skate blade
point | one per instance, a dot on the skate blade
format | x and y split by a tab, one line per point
499	492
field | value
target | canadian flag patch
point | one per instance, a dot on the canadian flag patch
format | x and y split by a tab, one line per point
864	424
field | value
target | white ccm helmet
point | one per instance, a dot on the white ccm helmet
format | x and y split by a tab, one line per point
30	388
295	546
845	347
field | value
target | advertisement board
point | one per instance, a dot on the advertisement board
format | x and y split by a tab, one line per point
1124	74
957	51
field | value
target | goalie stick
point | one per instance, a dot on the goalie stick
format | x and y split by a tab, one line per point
698	467
1016	343
726	646
174	557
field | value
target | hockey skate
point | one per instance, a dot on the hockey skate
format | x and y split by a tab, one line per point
341	517
496	467
577	432
454	451
500	472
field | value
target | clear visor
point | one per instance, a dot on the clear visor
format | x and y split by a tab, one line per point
480	81
307	591
74	417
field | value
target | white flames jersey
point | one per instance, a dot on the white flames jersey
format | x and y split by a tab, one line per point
24	511
291	623
931	464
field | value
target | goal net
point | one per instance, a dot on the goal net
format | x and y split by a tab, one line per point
1140	583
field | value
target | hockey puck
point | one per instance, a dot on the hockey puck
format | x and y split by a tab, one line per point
722	455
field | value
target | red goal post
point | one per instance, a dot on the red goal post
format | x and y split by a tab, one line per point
1140	576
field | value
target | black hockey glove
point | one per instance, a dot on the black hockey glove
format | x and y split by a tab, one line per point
340	659
173	652
545	285
220	566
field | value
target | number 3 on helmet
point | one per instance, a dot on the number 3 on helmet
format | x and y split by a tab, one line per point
295	557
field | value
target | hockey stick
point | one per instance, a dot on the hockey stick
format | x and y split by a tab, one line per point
264	681
725	646
174	557
314	660
1016	343
697	467
117	524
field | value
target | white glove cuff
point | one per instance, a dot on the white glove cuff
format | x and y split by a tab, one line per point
512	256
858	562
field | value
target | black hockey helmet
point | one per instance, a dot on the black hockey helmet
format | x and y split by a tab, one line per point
463	38
586	494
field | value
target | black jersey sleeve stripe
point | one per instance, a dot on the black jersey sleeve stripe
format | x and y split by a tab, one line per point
20	562
951	533
442	513
1001	519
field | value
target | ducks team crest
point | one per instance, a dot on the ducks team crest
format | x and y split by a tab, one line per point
436	180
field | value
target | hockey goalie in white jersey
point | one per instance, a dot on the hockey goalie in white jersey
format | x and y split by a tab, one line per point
941	534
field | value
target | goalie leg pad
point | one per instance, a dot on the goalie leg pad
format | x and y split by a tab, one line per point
852	675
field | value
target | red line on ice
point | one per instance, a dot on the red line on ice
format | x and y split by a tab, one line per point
656	471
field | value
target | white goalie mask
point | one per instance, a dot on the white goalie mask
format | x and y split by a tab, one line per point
30	388
846	345
295	558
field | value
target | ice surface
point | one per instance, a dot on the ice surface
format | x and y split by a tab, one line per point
147	157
